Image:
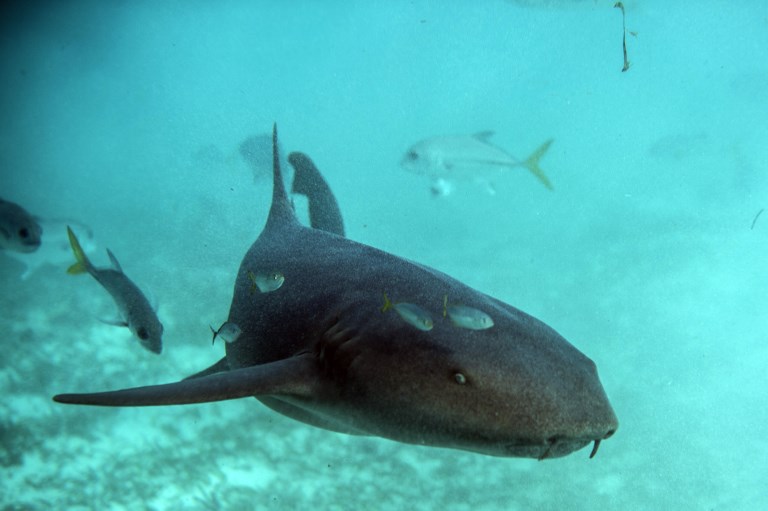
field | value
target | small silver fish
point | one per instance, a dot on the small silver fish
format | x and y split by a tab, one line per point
228	331
19	231
466	317
137	314
266	281
411	313
473	157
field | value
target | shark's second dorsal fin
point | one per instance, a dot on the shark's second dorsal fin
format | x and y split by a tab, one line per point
281	213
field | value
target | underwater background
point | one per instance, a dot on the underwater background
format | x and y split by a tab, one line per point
124	119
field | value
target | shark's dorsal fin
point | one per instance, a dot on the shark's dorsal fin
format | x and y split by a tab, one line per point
324	213
281	212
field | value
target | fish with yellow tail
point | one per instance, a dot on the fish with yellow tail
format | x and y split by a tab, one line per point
411	313
445	159
466	317
135	311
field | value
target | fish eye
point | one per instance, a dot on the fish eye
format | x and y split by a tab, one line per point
24	232
460	378
142	333
412	155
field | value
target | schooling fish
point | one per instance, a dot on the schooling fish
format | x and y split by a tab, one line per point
411	313
19	230
228	331
466	317
473	157
137	314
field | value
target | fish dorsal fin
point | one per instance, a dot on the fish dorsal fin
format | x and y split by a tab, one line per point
113	260
281	212
484	136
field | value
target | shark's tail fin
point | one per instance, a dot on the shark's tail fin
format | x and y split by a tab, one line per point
82	264
532	163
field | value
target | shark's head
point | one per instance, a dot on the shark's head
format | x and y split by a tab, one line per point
516	389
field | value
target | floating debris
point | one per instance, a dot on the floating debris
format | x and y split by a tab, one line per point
466	317
266	282
756	217
620	5
411	313
228	331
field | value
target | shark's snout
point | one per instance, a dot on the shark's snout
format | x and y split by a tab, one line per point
594	423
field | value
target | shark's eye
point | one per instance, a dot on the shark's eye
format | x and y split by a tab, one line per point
460	378
142	333
24	232
412	155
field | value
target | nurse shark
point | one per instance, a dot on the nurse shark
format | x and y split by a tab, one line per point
320	349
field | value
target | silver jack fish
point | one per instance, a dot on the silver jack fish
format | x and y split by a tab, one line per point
19	231
467	157
137	314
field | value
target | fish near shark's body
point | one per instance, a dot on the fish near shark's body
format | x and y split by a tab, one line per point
135	310
320	350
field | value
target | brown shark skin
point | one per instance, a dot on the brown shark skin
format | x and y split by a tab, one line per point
319	350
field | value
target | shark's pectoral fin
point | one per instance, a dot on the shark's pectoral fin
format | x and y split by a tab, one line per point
219	367
296	376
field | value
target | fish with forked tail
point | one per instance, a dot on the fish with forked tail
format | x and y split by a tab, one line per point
461	157
134	308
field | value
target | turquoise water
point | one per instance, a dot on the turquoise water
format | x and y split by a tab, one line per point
127	117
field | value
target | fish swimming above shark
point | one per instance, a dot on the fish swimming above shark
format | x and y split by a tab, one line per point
135	310
319	349
446	159
19	230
